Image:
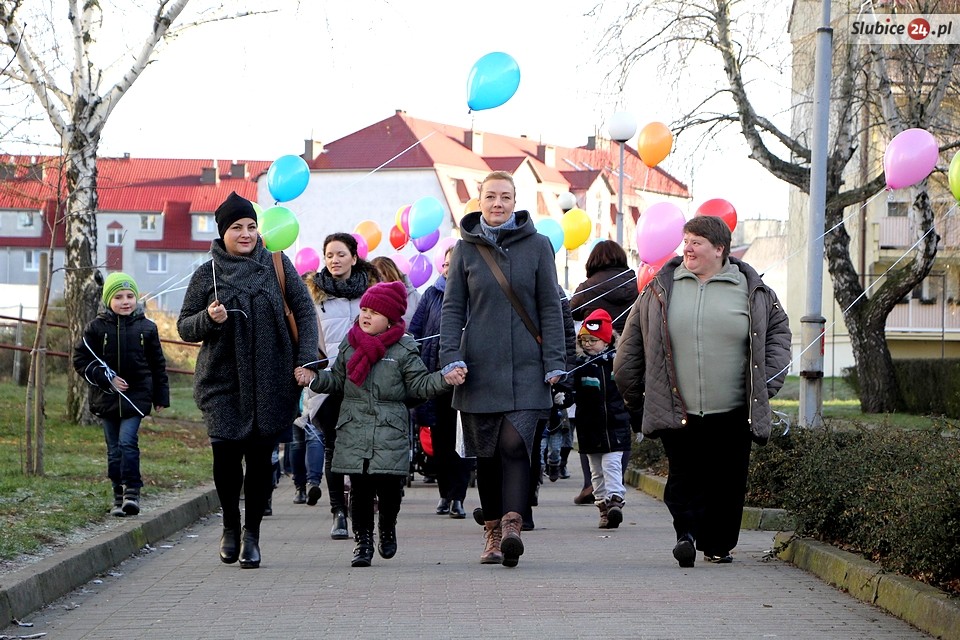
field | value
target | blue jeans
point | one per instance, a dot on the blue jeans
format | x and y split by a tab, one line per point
123	451
306	451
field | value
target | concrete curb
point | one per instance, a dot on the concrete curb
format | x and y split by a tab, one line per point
29	589
754	518
923	606
928	609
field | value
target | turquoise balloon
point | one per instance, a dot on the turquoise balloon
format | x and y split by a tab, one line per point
279	228
552	229
426	214
493	80
288	177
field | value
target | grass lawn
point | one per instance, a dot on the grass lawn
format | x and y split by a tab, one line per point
74	491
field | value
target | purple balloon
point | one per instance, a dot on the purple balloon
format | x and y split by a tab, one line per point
425	243
420	270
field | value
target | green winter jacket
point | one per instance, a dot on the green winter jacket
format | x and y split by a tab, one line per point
374	422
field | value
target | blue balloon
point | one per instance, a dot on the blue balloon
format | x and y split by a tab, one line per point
426	214
552	229
288	177
493	80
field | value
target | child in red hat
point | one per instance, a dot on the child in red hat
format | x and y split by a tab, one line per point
378	369
603	424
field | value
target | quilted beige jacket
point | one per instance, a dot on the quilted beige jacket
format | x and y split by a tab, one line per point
644	371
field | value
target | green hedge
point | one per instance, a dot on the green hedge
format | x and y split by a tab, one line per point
889	494
929	387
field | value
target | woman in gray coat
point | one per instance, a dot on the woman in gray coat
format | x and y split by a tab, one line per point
705	347
244	382
507	370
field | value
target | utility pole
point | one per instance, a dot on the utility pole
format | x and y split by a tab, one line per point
812	323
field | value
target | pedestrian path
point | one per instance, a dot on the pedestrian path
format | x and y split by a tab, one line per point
574	581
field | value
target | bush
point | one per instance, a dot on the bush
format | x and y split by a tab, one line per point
928	387
888	494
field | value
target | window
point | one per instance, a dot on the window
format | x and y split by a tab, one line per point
114	237
148	222
26	220
898	209
31	260
205	224
156	263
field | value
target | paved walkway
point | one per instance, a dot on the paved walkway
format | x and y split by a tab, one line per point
574	581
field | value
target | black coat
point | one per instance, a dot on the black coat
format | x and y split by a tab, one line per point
426	323
130	346
613	289
603	424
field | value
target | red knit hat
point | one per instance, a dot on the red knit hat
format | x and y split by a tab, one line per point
599	325
387	298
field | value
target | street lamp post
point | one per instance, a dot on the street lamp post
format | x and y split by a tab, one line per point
622	127
566	201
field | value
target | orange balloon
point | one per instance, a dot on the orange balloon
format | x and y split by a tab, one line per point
370	232
654	143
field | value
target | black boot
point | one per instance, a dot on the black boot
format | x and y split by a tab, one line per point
301	496
250	549
339	530
117	509
363	553
268	509
230	545
131	501
387	543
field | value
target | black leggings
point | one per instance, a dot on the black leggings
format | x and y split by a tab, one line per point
229	457
503	481
388	489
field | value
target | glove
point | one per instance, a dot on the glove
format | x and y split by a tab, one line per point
559	398
639	438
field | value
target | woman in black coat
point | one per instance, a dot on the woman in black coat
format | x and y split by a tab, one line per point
244	382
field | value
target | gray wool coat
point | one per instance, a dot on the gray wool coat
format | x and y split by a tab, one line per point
478	325
644	371
244	382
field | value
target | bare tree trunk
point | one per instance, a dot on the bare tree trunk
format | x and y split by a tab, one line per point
879	389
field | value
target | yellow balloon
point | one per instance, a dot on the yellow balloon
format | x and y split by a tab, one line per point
576	228
370	232
472	205
654	143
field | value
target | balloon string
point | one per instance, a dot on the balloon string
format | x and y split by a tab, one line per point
367	175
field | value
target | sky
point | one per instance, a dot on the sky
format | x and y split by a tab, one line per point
255	88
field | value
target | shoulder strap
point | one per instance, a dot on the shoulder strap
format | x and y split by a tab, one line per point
487	255
282	279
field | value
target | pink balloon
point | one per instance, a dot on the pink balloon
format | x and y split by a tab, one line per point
420	269
362	249
401	261
440	250
307	259
405	219
659	231
909	158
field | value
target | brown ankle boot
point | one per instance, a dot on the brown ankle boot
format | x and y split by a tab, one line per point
604	520
511	545
491	549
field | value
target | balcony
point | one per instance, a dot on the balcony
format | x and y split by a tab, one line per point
898	232
920	316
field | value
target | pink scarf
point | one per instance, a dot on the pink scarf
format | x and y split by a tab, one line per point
369	349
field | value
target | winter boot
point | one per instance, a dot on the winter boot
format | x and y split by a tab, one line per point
491	548
230	545
313	494
250	549
117	509
585	496
300	497
339	530
614	511
511	545
363	552
604	515
268	508
131	501
387	543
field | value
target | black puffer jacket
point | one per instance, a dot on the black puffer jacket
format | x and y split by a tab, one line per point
130	347
603	423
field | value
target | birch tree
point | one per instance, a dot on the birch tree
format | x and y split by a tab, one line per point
57	65
877	91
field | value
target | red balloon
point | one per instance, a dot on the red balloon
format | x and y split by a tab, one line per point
398	239
720	208
646	271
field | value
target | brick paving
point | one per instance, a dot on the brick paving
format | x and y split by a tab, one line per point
574	581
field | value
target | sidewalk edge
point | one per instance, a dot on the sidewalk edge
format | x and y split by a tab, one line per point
31	588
